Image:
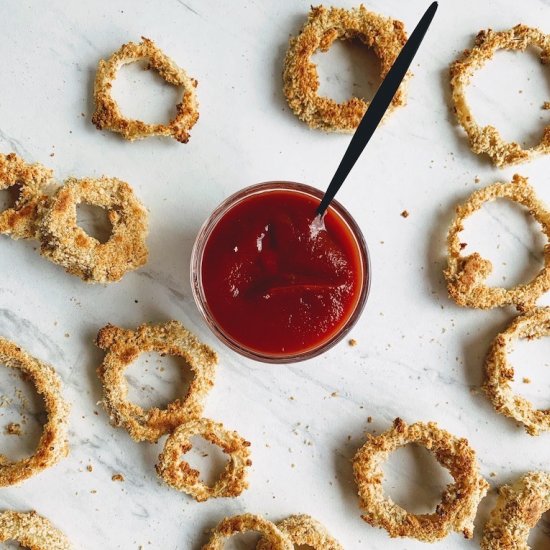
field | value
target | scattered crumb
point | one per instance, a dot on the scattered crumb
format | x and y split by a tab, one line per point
93	491
52	154
90	468
117	477
67	335
405	214
334	394
526	380
13	429
493	474
352	342
546	105
463	246
369	419
477	179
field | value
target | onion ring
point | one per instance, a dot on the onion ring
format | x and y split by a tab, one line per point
301	82
487	139
303	530
459	501
272	536
53	445
67	244
123	347
518	509
31	531
179	474
107	113
500	372
466	275
21	221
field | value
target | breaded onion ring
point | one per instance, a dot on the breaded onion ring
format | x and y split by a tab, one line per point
53	445
181	476
31	531
459	501
67	244
21	221
466	274
273	537
301	82
123	347
518	509
487	139
500	372
107	113
303	530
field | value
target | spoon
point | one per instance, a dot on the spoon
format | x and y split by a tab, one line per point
374	113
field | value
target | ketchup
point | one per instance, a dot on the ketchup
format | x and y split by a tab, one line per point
275	283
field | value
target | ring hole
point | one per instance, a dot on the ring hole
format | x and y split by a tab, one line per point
414	479
504	232
539	537
155	381
9	197
207	458
531	364
142	94
22	412
509	92
94	220
243	541
348	69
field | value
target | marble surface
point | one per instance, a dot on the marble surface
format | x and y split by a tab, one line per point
418	355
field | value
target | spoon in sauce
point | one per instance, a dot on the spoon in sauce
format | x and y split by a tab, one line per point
374	114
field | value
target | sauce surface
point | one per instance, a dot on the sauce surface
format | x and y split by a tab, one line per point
273	284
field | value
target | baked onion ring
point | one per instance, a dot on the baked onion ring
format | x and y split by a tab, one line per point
487	139
65	243
181	476
459	501
273	537
518	509
303	530
123	347
107	113
21	221
465	275
499	371
53	445
300	79
31	531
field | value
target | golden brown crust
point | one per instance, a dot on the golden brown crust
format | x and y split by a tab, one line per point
518	509
301	81
181	476
248	522
459	501
466	274
65	243
303	530
21	221
31	531
123	347
107	113
53	445
500	373
486	139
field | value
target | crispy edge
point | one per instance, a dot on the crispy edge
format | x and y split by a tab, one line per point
300	78
487	139
107	115
65	243
181	476
465	275
21	221
53	444
248	522
123	347
518	509
459	501
31	531
500	372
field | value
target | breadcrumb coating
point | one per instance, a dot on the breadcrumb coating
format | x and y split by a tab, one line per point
31	531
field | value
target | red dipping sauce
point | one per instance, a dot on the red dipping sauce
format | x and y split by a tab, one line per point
273	285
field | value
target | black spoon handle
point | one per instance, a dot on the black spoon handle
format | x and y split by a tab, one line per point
378	107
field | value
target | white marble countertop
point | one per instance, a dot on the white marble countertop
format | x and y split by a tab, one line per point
418	355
